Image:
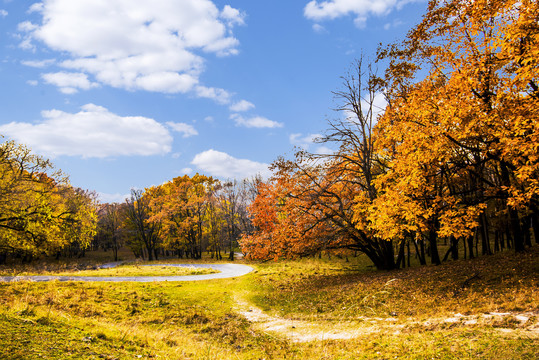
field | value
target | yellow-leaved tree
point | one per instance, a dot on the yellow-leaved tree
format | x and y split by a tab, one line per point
463	141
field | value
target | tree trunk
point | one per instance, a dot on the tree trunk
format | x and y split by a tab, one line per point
535	225
433	244
485	241
527	223
518	239
453	249
509	237
420	253
514	220
470	246
400	257
408	250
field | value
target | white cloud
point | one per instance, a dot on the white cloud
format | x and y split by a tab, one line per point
379	105
92	132
255	122
38	63
233	16
242	105
360	9
303	142
26	26
32	82
319	29
36	7
220	96
324	150
222	165
394	24
3	13
69	83
186	129
307	142
138	44
186	171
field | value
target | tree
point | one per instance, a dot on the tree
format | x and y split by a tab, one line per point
78	219
111	233
40	212
214	224
231	198
179	206
145	234
320	202
462	141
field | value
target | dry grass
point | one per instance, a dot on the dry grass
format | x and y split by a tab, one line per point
137	270
399	314
503	282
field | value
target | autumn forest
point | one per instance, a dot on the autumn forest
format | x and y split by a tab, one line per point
453	160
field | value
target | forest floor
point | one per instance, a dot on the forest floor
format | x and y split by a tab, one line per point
483	308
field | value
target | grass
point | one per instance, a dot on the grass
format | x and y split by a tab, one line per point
502	282
135	271
395	313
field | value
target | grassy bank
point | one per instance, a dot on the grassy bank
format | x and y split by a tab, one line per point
307	309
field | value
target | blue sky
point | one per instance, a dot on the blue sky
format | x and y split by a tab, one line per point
132	93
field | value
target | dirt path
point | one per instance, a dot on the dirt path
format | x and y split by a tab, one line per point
304	331
225	271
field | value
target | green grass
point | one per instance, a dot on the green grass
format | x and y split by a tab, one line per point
202	320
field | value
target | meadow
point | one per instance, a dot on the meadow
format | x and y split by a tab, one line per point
484	308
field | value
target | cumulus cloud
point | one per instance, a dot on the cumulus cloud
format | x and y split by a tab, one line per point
94	132
223	165
185	129
69	83
360	9
242	105
255	122
3	13
233	16
137	45
221	96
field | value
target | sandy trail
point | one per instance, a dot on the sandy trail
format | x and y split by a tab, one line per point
304	331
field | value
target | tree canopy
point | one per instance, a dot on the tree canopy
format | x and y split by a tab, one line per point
40	212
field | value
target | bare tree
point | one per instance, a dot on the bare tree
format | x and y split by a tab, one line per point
144	232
